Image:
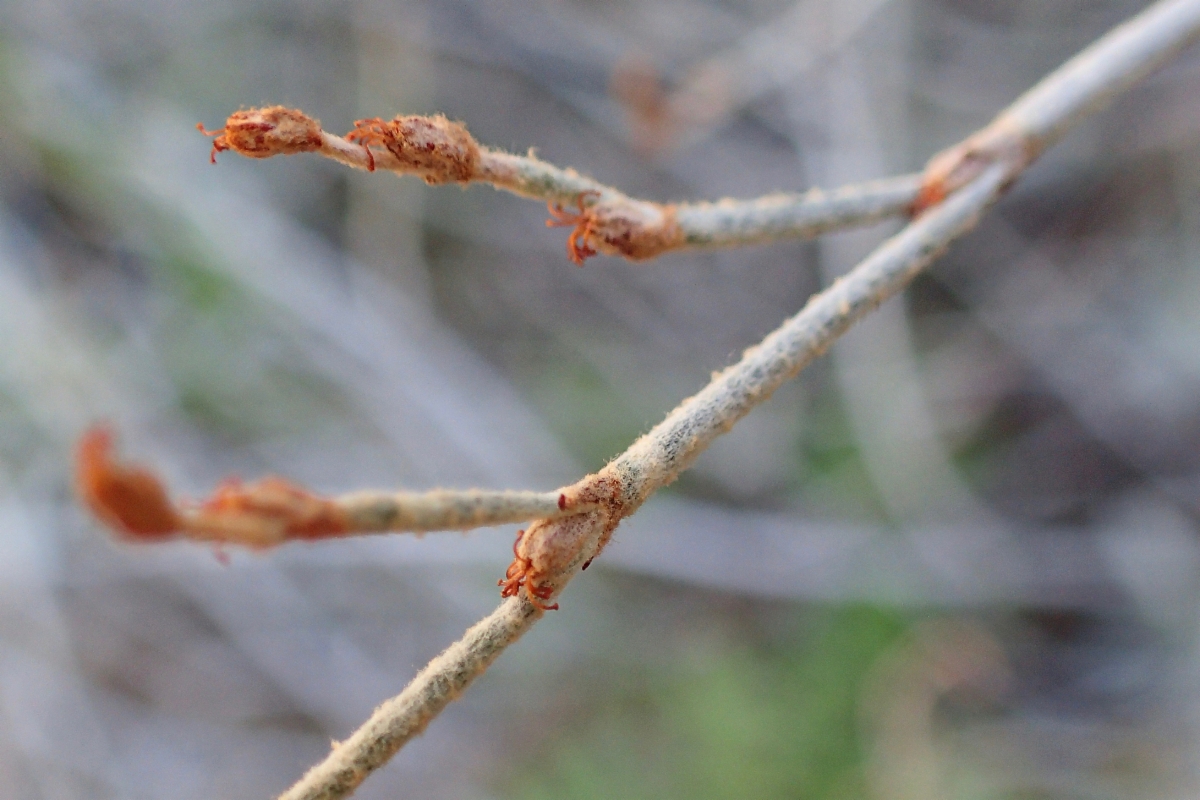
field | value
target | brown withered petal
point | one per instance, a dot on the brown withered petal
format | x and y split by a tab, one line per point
128	498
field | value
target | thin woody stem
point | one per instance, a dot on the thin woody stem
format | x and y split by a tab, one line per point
605	220
271	512
656	459
1083	85
724	223
729	223
406	715
617	224
444	510
1090	80
652	462
134	503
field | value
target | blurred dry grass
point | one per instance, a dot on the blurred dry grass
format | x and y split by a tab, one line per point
1013	446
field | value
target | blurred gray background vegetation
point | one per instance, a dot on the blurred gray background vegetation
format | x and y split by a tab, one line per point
957	559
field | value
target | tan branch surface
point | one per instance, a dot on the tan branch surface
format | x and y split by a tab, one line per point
603	220
574	525
406	715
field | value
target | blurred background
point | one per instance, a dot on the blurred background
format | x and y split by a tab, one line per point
958	558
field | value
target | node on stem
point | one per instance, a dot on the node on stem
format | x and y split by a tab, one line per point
266	132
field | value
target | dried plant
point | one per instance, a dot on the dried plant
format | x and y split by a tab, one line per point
571	526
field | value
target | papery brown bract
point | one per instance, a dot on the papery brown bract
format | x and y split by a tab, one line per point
548	548
437	149
577	243
276	508
129	499
266	132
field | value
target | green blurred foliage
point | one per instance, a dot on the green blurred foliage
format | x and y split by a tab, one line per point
777	723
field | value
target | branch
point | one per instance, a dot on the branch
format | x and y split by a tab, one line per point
134	503
550	553
407	714
729	223
607	221
1083	85
603	219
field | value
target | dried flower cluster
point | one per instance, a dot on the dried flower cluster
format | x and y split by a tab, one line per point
433	147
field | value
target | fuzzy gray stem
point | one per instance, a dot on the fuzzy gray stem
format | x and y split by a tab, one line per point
658	457
1091	79
407	714
653	461
444	510
727	223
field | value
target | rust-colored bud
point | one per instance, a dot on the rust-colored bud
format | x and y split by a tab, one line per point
128	498
266	132
437	149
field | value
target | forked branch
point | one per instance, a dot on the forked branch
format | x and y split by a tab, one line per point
958	186
268	512
558	549
603	219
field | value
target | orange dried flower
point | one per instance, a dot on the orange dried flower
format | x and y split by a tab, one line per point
436	148
266	132
127	497
268	512
134	503
578	248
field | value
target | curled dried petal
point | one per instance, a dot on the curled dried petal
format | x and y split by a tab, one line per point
266	132
134	503
128	498
434	147
265	513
